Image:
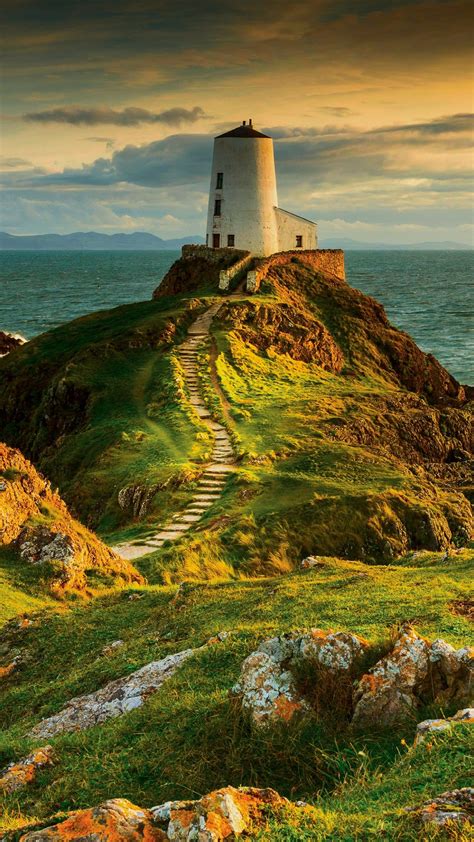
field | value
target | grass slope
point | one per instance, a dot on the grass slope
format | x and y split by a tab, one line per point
189	739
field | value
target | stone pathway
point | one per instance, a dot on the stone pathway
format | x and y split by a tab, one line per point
214	476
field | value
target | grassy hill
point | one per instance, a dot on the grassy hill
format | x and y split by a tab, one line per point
351	444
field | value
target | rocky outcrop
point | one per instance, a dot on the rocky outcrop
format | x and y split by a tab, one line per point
450	808
116	698
292	674
10	341
20	774
198	267
431	727
268	686
35	522
415	672
114	820
222	815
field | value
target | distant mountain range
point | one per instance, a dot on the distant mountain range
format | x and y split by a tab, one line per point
91	240
141	241
355	245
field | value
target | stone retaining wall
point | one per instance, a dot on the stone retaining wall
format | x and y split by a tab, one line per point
329	261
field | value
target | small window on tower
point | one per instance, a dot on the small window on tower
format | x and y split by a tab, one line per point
299	241
231	240
217	207
220	180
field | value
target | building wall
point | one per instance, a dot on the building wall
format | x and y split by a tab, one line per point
248	195
289	226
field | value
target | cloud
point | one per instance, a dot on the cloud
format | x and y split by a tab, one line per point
131	116
337	110
13	163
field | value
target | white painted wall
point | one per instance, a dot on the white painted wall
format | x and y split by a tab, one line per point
289	225
248	194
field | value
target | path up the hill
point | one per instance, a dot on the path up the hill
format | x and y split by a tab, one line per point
214	476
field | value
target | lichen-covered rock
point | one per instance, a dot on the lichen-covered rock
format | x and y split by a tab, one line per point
116	698
18	775
436	726
35	522
453	671
387	693
456	807
221	815
267	688
310	562
414	671
113	821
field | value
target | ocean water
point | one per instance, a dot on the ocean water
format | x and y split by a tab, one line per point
429	294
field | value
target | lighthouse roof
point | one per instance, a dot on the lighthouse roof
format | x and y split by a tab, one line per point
245	130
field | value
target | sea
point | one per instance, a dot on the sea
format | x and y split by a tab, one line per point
429	294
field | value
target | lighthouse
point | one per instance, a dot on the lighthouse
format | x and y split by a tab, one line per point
243	205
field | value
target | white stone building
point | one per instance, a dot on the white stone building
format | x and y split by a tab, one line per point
243	205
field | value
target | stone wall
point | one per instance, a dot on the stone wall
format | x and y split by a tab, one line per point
328	261
226	275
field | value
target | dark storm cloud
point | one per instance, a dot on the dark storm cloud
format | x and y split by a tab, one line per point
76	116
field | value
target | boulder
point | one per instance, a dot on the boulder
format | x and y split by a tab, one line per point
117	819
116	698
20	774
414	672
436	726
456	807
221	815
267	688
386	694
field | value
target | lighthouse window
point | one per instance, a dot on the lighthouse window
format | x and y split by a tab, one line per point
216	241
220	180
231	240
299	241
217	207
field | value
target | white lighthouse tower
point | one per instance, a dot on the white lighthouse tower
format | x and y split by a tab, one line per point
243	205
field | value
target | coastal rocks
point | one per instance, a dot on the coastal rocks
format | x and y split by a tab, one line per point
117	819
20	774
449	808
10	341
35	522
311	562
267	688
224	814
412	673
431	727
136	499
41	545
316	670
117	697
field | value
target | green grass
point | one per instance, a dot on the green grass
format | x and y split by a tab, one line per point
191	724
19	588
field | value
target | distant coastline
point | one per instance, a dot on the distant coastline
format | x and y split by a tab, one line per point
143	241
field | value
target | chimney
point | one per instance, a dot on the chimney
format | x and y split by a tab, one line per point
244	122
250	122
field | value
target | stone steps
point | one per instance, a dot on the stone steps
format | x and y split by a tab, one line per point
214	477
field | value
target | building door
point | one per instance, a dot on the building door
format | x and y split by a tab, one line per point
216	241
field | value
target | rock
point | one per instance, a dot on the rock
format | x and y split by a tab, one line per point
450	807
18	775
136	499
437	726
452	671
221	815
116	698
10	341
36	524
267	689
41	545
117	819
414	672
218	638
110	648
310	562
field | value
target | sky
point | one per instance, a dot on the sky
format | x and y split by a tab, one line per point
110	109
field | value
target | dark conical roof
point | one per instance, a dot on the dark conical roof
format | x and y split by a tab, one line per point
245	130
